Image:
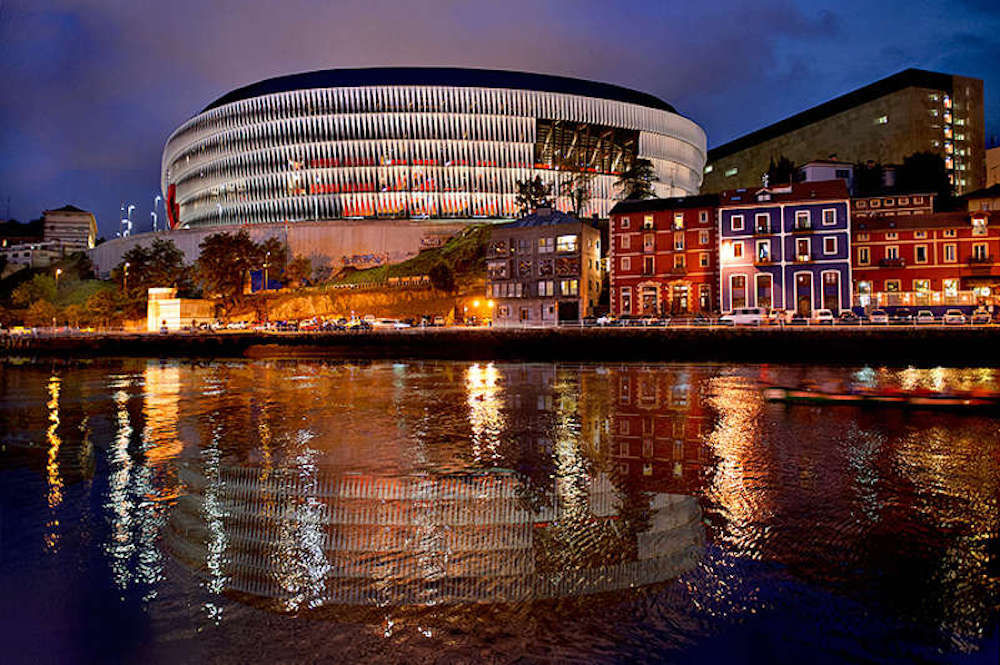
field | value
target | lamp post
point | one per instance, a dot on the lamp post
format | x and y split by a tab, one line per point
156	202
58	273
267	262
125	278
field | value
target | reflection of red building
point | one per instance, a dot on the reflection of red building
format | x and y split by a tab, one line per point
939	260
663	257
658	429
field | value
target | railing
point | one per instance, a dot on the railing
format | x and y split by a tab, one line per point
921	298
762	261
892	263
803	258
802	228
762	231
679	270
980	260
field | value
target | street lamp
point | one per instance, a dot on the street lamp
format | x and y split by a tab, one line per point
58	272
125	277
267	262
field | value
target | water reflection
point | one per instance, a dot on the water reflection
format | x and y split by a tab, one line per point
311	485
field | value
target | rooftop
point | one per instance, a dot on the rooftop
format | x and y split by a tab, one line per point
906	222
800	191
991	192
907	78
542	218
458	77
68	208
673	203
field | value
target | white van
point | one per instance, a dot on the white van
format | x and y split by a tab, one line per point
746	316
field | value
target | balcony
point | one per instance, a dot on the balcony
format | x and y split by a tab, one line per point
762	231
762	261
803	258
980	260
892	263
802	228
678	270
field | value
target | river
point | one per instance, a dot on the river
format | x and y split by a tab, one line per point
307	509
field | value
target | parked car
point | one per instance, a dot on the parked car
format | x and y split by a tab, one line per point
438	321
389	324
823	317
981	317
902	316
924	317
953	316
606	320
701	319
744	316
798	320
879	317
848	318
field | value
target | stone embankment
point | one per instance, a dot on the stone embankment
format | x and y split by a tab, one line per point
968	346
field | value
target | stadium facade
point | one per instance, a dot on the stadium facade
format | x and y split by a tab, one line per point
416	143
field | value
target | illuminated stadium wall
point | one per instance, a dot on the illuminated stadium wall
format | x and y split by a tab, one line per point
416	143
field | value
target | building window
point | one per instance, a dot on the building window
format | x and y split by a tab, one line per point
802	220
569	287
919	235
950	287
678	241
703	259
864	256
546	288
566	243
888	203
891	235
921	285
892	252
648	242
979	251
861	204
626	242
882	120
703	237
765	291
626	263
625	223
829	245
829	216
892	285
703	217
680	261
762	223
738	291
861	237
802	252
978	226
737	250
920	254
736	223
731	172
626	300
950	233
546	245
678	221
763	251
950	251
647	265
709	169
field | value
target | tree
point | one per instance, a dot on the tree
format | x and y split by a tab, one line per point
781	172
867	178
924	172
224	265
159	264
74	315
103	307
41	313
579	189
442	278
40	287
636	182
298	270
274	253
533	194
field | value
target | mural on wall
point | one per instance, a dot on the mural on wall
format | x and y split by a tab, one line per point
365	260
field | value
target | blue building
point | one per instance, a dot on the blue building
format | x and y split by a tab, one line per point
786	247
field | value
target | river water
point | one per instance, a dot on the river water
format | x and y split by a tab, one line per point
285	510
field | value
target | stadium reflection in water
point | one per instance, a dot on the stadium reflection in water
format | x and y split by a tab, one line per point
369	493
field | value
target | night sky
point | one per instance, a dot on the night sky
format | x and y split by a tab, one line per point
91	90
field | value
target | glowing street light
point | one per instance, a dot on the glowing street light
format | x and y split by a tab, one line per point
58	273
125	277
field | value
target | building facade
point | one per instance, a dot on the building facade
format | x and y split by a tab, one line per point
892	205
786	248
927	261
542	269
663	257
984	199
74	229
993	166
912	111
402	143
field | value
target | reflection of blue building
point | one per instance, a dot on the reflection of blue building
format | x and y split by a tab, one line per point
786	247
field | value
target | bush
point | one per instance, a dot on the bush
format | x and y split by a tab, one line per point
442	278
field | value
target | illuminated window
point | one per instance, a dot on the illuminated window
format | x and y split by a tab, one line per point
703	259
566	243
569	287
892	252
678	241
626	263
703	237
731	172
625	222
892	285
921	285
762	223
737	250
862	204
709	169
546	245
950	286
678	220
978	226
647	222
882	120
802	219
950	251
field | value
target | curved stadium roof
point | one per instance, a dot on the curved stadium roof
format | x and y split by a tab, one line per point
440	76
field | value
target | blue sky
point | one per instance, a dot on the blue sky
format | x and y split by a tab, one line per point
91	90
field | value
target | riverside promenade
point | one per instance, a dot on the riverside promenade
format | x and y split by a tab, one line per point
930	346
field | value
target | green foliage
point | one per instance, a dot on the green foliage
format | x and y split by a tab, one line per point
224	265
104	307
532	194
636	182
298	270
781	172
40	287
579	189
275	254
75	315
442	278
159	264
41	313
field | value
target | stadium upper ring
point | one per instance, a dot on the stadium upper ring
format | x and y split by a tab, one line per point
405	143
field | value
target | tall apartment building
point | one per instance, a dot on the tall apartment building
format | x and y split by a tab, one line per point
912	111
993	166
543	268
786	247
663	256
74	229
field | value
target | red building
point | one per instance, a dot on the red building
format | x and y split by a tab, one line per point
663	256
937	260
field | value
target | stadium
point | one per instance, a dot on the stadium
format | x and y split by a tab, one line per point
416	144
